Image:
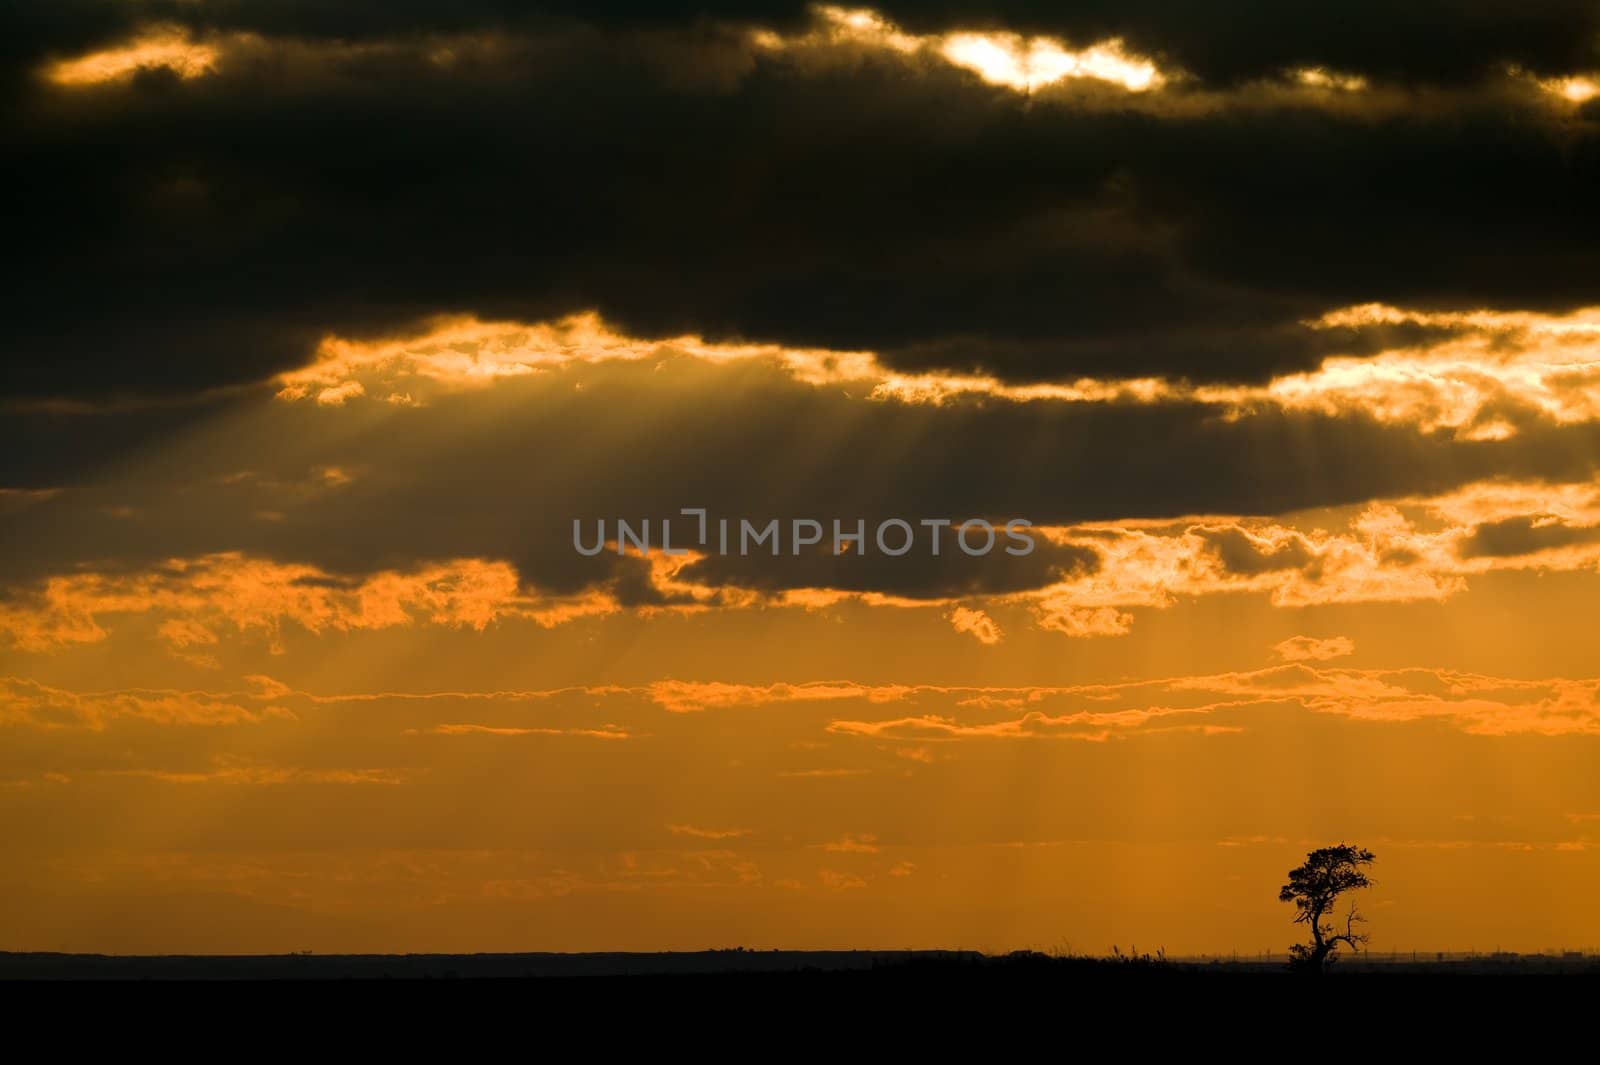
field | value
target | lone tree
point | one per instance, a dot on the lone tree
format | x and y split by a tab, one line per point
1314	888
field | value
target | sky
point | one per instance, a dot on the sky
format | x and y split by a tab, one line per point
336	332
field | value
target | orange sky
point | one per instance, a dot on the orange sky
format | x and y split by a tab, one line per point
296	652
231	752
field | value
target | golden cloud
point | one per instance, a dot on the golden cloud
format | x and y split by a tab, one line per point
168	48
27	702
1480	375
1311	649
252	596
977	624
1208	704
1006	59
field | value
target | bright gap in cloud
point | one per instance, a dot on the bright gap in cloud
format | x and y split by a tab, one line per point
1008	59
1578	90
1321	78
159	47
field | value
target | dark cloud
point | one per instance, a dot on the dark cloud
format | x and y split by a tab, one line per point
180	242
1512	537
1243	554
918	573
503	473
1422	41
1222	43
182	237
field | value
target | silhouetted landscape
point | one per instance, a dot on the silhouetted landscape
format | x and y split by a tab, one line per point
877	967
1314	888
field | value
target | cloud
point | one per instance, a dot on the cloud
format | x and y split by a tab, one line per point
1211	704
707	833
1082	581
834	880
1241	43
1007	59
1241	552
1525	535
1312	649
235	771
1216	704
609	732
1092	727
1482	374
437	482
977	624
27	702
155	49
1401	550
682	697
1058	614
1075	239
821	774
1075	329
936	566
865	843
255	597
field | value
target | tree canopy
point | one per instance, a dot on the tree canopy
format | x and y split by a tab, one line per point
1314	888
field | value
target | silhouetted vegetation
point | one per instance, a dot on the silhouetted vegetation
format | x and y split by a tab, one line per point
1023	963
1315	888
904	969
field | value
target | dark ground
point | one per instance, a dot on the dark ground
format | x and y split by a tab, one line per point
857	968
762	1005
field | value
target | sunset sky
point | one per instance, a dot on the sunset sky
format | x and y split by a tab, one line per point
1279	322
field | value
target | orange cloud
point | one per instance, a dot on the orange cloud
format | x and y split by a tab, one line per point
189	56
1023	64
1480	375
834	880
1061	614
1311	649
257	596
1206	703
1488	706
28	702
1090	726
707	833
157	48
610	732
866	843
682	697
462	352
236	771
977	624
1407	549
1401	550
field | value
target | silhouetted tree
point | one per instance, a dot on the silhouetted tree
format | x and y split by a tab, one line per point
1314	888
